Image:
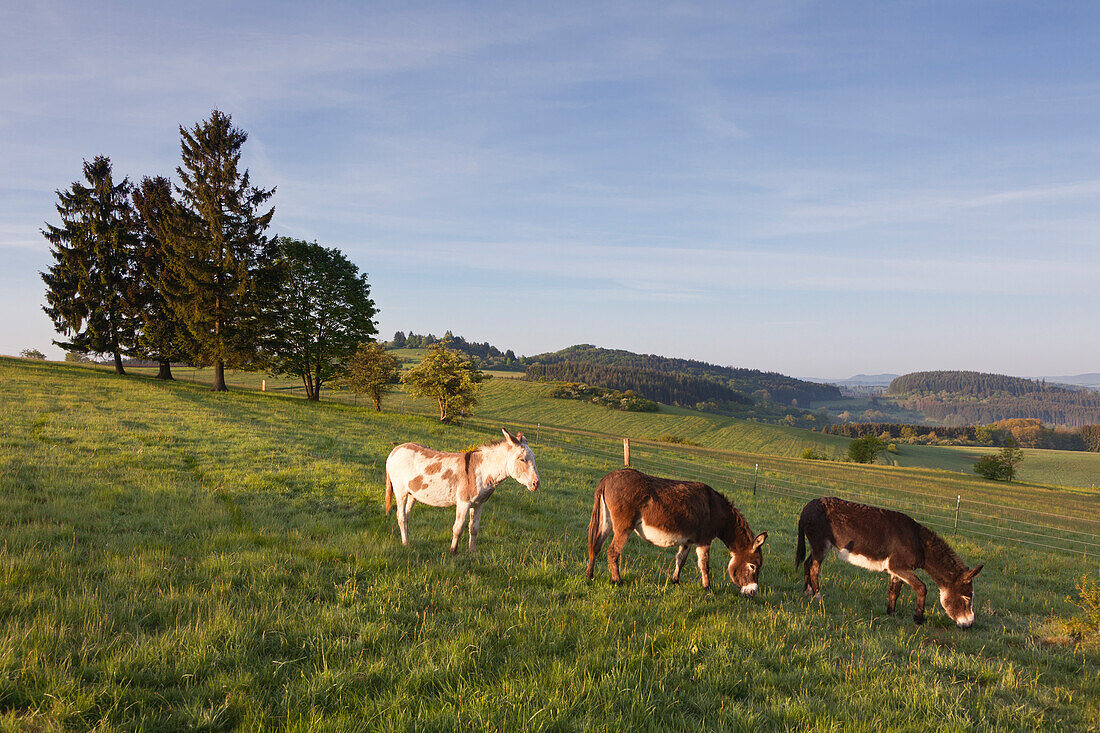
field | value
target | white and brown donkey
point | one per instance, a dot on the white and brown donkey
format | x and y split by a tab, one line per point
885	541
462	480
667	512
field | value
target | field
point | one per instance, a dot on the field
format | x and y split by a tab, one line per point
177	559
510	400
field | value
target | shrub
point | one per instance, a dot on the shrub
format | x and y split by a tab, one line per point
32	354
1088	600
812	455
865	449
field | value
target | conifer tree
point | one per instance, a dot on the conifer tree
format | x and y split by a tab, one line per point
93	270
163	336
221	271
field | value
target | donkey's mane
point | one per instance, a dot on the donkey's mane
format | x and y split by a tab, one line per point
738	517
942	552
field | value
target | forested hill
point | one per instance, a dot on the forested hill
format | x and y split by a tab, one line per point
968	384
753	382
978	398
672	389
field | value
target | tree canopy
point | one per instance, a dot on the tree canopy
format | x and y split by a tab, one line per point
323	313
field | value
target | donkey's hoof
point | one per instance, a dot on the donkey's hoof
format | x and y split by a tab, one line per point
674	580
807	591
817	597
918	619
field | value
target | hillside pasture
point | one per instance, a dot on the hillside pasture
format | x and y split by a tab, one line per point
179	559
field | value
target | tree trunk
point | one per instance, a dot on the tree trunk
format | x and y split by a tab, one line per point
219	377
377	397
165	371
118	363
316	396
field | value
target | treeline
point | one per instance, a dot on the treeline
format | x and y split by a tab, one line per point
672	389
761	386
1070	408
187	273
484	354
626	401
968	384
1025	432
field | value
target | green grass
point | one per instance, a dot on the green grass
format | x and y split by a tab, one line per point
177	559
508	399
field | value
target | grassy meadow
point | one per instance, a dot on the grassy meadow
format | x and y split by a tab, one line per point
179	559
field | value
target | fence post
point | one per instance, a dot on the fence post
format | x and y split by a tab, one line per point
626	452
958	501
263	385
538	431
754	477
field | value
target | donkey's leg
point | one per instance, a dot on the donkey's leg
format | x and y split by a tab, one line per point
702	554
615	549
892	592
813	574
603	531
461	509
475	523
915	583
404	506
681	558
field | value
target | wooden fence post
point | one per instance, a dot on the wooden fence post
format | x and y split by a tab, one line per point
754	477
958	501
263	385
626	452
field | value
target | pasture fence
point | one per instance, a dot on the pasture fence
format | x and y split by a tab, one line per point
934	502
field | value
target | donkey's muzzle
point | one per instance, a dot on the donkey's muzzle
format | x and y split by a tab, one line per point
534	485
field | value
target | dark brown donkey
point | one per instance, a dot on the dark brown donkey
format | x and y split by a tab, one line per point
885	541
666	513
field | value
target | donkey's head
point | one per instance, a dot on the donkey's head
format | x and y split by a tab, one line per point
520	460
744	567
957	598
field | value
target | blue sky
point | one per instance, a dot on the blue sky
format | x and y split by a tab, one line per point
813	188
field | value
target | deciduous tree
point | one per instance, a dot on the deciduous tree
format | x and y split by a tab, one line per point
323	312
447	377
371	371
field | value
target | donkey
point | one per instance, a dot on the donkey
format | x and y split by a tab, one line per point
666	512
462	480
885	541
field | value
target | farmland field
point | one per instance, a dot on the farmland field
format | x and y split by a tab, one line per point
511	400
175	558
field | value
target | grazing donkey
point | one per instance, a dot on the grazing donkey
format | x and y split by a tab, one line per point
885	541
666	512
462	480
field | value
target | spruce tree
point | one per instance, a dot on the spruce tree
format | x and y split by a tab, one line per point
220	273
93	271
163	337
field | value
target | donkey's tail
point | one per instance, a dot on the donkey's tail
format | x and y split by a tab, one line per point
800	552
389	492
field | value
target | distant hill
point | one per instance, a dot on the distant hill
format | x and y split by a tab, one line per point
753	382
859	380
672	389
1091	380
977	397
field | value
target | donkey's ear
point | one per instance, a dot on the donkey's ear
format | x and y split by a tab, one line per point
521	438
759	540
969	574
510	438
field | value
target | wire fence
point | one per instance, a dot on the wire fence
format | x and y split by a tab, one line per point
939	507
